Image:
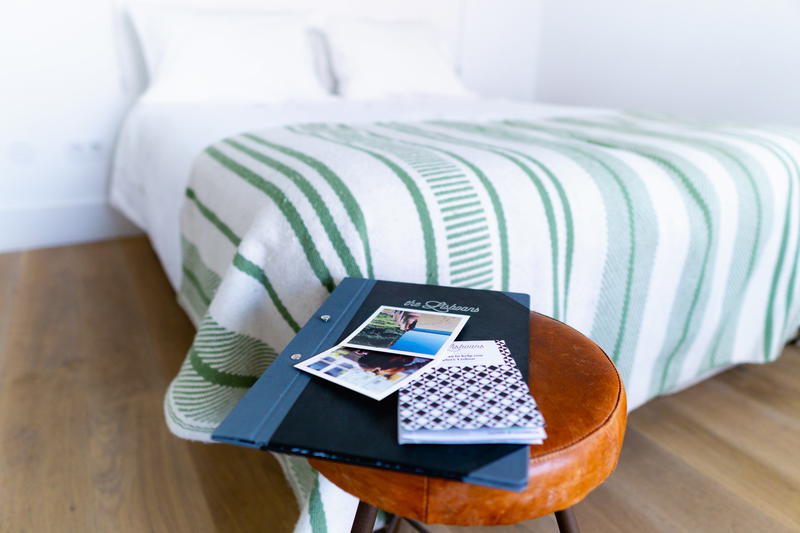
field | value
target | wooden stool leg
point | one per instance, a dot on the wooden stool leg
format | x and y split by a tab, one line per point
416	525
364	521
567	523
393	524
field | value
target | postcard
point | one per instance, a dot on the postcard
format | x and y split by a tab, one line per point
374	374
403	331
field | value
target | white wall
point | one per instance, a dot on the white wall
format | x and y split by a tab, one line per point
63	94
60	103
718	59
500	47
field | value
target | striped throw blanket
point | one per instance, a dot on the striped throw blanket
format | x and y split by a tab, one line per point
673	245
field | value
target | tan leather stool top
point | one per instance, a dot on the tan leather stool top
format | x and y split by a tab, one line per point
581	396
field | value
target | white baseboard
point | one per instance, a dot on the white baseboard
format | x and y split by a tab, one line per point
23	228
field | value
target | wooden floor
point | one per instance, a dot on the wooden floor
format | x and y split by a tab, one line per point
90	336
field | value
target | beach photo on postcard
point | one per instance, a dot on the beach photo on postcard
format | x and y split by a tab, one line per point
375	374
407	331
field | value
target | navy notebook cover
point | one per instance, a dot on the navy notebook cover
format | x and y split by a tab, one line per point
290	411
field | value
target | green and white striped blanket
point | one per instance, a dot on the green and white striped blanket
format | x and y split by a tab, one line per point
672	245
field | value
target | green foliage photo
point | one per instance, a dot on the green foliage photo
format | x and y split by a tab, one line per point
381	332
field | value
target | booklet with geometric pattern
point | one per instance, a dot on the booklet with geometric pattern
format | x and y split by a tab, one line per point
475	395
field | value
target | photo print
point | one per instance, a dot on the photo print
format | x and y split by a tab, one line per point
407	331
374	374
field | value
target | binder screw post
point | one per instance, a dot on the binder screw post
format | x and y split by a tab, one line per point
325	318
295	356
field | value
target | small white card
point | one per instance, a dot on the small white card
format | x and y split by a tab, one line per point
471	353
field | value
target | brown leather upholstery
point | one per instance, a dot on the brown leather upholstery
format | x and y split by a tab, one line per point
583	401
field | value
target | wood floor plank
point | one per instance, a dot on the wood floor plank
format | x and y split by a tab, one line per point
91	335
773	385
43	404
677	497
124	387
724	459
228	476
10	266
720	409
97	333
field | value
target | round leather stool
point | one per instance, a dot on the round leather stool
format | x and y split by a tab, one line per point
581	396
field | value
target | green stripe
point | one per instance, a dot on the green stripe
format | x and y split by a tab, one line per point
316	509
479	283
317	203
251	269
243	264
213	218
456	244
459	206
771	147
428	166
707	145
470	250
287	209
705	212
783	156
457	198
199	283
485	182
742	265
497	206
465	232
618	316
538	185
218	377
447	171
205	430
768	325
453	191
189	275
462	215
456	281
569	245
191	297
429	243
740	273
471	267
469	259
466	223
444	178
407	152
790	293
339	187
449	184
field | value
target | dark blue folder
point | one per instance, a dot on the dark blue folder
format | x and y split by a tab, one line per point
290	411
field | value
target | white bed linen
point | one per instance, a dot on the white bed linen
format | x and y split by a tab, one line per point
159	142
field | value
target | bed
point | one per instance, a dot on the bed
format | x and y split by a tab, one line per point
673	244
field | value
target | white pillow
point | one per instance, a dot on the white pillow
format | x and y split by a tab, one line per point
198	55
380	59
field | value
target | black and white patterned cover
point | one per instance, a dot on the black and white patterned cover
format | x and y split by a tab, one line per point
469	398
